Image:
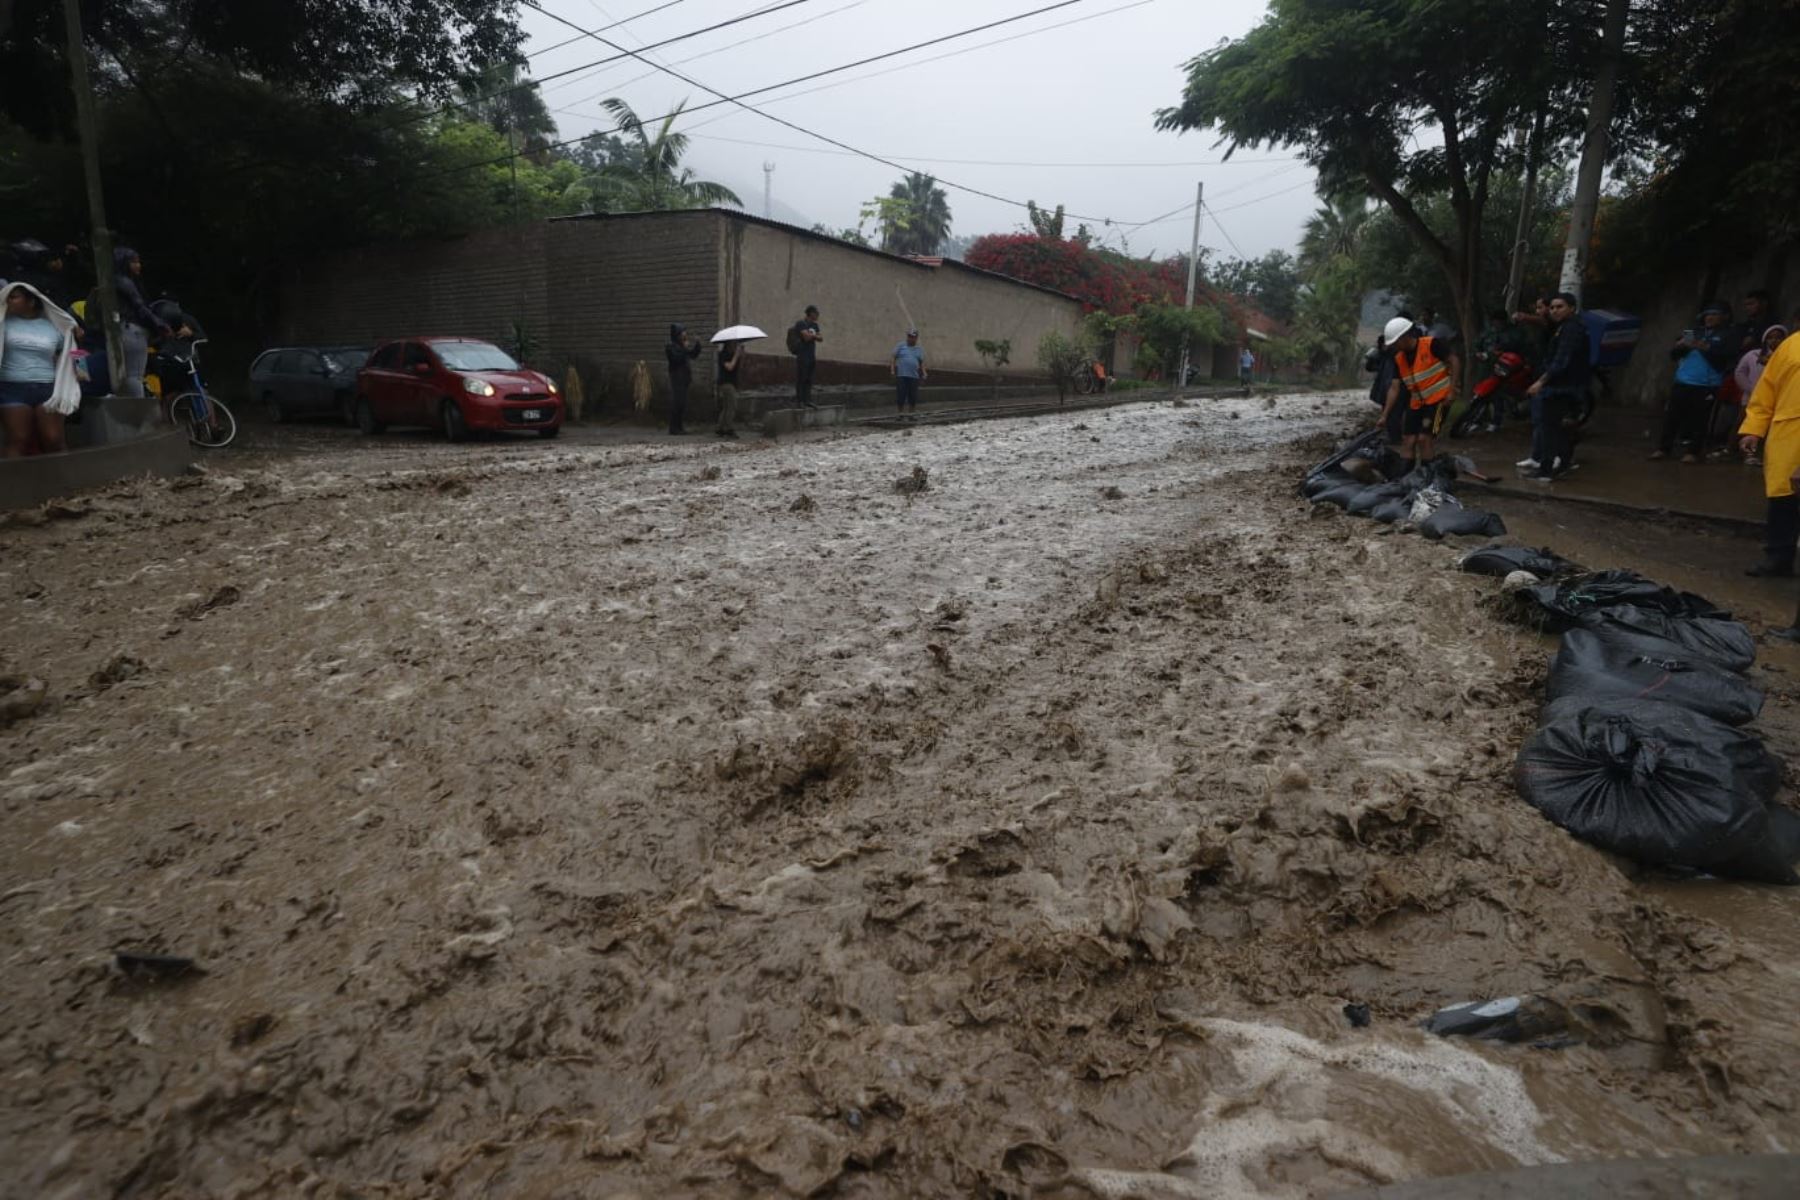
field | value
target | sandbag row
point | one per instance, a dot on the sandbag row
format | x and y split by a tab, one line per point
1643	747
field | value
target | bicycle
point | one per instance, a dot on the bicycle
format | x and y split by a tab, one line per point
208	422
1088	378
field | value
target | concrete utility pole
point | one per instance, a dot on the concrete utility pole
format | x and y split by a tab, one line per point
1515	276
1193	271
769	190
1593	147
101	237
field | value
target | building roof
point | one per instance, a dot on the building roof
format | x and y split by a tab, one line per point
923	262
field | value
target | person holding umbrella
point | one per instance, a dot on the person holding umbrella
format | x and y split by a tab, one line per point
730	342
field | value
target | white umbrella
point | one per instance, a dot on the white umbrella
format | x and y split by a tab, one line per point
738	333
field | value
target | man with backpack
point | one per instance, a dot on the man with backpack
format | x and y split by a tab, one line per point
802	342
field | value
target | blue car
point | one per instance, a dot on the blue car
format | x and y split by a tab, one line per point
307	381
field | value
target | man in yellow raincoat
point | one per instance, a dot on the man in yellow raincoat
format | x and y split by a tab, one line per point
1772	424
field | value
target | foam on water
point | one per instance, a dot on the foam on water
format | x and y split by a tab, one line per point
1283	1105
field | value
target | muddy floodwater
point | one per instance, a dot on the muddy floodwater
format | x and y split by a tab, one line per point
999	809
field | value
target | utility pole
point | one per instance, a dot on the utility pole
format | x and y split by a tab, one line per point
100	239
1193	270
1593	148
1515	276
769	190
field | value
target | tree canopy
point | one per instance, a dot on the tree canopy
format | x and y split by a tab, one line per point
919	221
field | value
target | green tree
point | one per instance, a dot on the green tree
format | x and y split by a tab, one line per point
1163	328
351	54
919	221
1352	86
1061	357
1271	283
655	180
1044	223
511	106
1325	326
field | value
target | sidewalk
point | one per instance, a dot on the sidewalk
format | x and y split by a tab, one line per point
1614	470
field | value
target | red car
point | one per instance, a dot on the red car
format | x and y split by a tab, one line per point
456	385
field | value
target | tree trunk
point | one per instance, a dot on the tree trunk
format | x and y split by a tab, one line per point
1593	147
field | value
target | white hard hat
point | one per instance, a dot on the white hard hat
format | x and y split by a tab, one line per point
1396	329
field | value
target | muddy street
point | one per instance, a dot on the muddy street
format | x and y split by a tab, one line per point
998	809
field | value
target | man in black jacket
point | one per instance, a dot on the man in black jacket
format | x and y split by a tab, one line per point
803	340
1558	389
681	351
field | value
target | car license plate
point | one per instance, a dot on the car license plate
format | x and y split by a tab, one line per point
532	414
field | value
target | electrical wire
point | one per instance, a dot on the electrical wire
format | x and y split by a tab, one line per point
801	129
570	41
986	162
1223	232
1268	196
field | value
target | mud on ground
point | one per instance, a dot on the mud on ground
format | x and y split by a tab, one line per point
557	822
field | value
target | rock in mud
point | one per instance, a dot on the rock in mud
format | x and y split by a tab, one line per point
117	669
221	597
707	474
804	504
1110	492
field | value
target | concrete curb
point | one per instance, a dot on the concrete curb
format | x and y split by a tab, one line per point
25	482
1550	496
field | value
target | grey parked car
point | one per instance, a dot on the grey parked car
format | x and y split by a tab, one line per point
307	381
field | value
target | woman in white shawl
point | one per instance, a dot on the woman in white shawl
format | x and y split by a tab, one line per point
37	370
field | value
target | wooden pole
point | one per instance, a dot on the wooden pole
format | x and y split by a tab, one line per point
100	237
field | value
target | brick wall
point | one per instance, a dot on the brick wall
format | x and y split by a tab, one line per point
475	286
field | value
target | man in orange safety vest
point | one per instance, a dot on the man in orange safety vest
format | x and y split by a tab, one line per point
1426	368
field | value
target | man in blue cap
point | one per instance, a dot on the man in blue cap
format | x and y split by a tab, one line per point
1702	357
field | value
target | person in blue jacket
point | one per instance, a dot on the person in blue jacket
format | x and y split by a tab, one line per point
1702	357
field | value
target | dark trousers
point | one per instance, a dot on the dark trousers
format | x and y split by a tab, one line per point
906	392
803	373
1551	440
1684	420
678	398
1782	529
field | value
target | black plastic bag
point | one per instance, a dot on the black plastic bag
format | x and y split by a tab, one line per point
1365	501
1502	561
1562	604
1389	511
1339	495
1595	669
1324	481
1462	522
1725	643
1662	786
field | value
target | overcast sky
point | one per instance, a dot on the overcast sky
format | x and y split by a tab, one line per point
1061	115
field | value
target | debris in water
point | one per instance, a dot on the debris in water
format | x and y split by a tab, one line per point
222	597
20	696
707	475
117	669
913	484
156	966
803	505
1357	1015
941	653
1508	1019
1110	492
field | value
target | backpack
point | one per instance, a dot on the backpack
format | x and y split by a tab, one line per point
794	341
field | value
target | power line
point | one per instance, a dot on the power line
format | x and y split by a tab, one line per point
1268	196
1235	249
954	53
778	30
628	20
623	53
738	101
985	162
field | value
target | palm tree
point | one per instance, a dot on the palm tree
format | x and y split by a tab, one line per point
656	181
1333	231
920	221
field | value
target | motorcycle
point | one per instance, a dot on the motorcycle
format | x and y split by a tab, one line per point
1500	395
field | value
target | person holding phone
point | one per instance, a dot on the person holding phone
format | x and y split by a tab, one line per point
1701	356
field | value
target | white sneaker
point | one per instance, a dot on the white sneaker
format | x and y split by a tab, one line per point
1528	464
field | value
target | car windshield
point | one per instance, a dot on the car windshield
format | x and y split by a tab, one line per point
474	356
347	360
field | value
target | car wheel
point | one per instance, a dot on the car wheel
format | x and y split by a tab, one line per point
346	403
272	409
550	433
365	418
456	429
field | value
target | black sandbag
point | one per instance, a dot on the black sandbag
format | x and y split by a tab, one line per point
1339	495
1462	522
1725	643
1504	560
1389	511
1589	666
1371	444
1562	604
1661	785
1324	480
1365	501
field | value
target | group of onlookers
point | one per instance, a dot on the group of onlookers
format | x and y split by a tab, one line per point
906	365
53	340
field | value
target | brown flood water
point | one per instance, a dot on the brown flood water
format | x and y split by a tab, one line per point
554	821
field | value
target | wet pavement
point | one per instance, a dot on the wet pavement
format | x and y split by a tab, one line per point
1004	809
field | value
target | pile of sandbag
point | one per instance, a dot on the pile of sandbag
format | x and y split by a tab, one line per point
1366	479
1643	747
